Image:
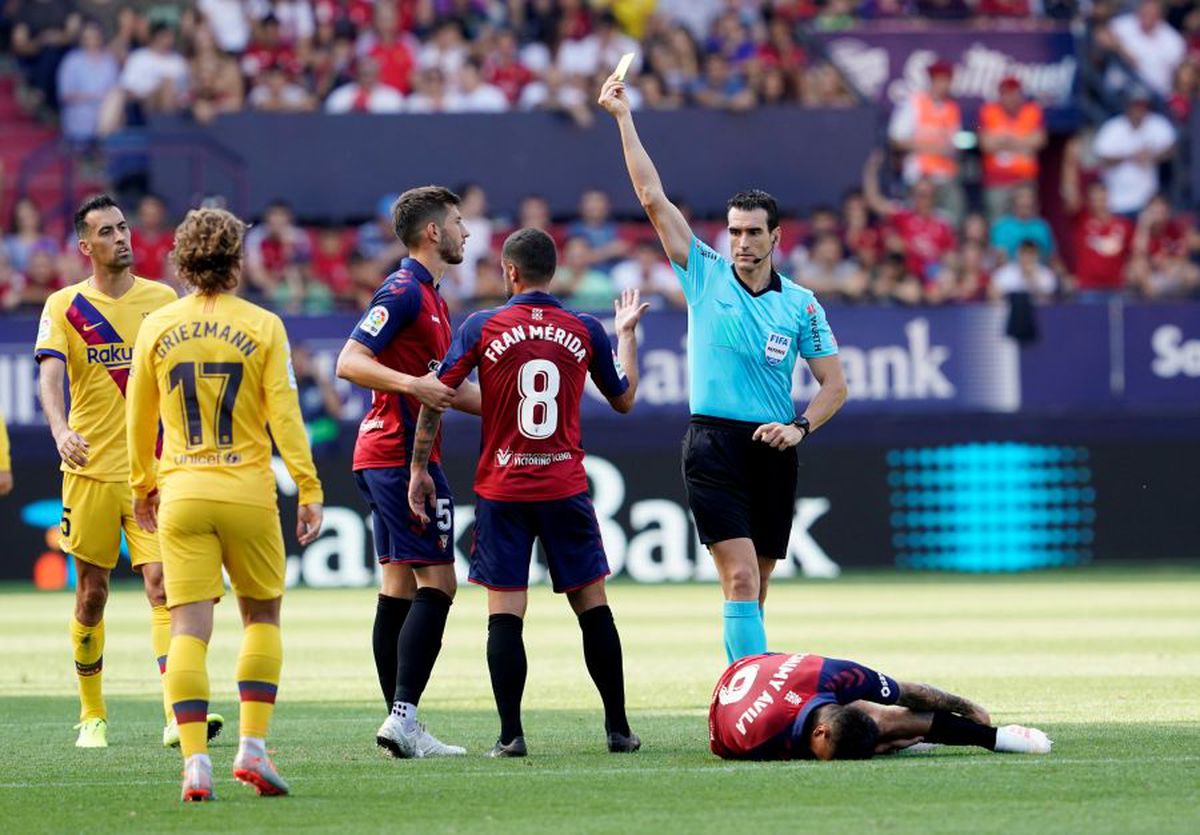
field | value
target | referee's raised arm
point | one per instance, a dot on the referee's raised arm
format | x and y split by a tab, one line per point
669	222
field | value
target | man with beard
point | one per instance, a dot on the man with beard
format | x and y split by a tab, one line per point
393	351
87	333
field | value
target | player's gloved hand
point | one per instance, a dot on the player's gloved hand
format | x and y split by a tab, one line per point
6	482
613	98
779	435
145	512
421	493
72	447
432	392
308	522
629	309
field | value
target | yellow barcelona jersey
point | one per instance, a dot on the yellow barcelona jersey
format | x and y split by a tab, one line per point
218	371
93	334
5	459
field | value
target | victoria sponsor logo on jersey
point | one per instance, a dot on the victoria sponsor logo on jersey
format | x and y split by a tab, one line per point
506	457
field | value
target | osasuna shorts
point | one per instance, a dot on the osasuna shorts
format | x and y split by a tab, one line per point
399	536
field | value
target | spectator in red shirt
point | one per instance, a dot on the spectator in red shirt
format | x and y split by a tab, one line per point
863	239
152	240
277	256
1101	241
919	233
268	50
504	69
390	48
331	263
1160	267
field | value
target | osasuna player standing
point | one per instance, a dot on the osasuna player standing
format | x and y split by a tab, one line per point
87	332
800	706
392	350
747	326
534	358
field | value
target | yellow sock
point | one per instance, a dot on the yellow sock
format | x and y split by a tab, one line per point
258	667
160	640
187	683
88	643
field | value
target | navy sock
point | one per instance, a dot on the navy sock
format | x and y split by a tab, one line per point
390	613
508	668
419	643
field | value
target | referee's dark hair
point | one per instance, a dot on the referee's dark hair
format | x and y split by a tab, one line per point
753	199
853	733
418	206
96	201
533	253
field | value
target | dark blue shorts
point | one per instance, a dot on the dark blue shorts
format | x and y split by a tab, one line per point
567	528
399	536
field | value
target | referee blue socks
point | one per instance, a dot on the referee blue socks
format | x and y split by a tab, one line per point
744	630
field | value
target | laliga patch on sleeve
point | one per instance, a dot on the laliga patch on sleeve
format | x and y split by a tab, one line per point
375	319
43	329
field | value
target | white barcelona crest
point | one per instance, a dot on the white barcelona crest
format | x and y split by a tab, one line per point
777	347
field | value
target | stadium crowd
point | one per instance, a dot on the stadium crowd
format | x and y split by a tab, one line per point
98	66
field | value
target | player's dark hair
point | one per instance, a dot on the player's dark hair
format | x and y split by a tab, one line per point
208	250
418	206
853	733
753	199
96	201
1027	244
533	253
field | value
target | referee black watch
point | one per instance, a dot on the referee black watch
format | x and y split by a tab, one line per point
803	425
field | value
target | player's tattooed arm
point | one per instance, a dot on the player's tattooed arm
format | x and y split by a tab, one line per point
927	697
421	490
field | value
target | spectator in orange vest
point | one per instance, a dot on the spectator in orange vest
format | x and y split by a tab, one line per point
1012	131
924	128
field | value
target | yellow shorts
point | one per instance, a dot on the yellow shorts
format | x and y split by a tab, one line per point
198	536
94	513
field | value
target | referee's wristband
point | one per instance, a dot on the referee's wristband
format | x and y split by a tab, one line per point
803	425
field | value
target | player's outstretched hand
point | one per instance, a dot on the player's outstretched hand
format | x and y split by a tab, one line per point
613	97
145	512
779	435
629	309
421	493
432	392
73	448
308	522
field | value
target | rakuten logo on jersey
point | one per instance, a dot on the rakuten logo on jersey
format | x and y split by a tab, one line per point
1173	355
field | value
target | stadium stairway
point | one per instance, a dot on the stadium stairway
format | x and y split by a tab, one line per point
22	135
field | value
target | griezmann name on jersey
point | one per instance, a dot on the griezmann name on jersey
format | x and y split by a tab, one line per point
534	358
93	333
407	327
218	370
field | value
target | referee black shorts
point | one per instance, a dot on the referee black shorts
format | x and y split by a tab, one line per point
738	487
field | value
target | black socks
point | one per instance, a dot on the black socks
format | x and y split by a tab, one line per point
508	668
949	729
602	653
390	613
419	643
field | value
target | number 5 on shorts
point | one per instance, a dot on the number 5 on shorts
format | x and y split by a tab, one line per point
444	519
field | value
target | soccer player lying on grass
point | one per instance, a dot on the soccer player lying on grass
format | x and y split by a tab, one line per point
790	707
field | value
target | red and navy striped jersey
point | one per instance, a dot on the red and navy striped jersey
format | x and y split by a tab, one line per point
533	357
407	327
762	702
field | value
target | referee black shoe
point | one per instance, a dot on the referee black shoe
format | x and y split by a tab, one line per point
516	748
622	744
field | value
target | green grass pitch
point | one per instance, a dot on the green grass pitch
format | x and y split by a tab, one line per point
1107	662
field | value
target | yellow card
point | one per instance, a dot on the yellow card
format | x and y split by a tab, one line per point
623	65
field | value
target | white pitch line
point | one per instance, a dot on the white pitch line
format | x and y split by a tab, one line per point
526	773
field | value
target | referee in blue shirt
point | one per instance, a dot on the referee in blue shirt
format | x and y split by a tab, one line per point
747	325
